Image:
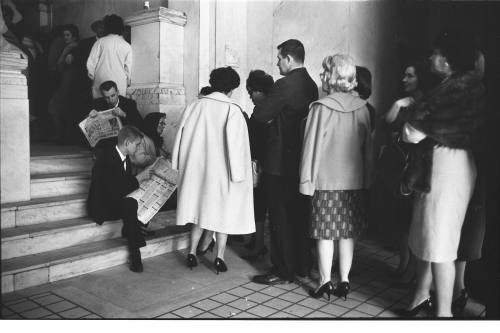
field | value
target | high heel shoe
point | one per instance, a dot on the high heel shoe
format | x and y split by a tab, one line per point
342	290
210	247
191	261
254	257
220	265
326	288
458	304
426	304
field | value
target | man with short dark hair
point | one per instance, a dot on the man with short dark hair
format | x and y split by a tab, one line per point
123	107
283	110
111	181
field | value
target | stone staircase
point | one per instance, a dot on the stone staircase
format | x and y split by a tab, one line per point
49	237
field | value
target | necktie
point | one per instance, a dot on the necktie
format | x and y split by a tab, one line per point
126	163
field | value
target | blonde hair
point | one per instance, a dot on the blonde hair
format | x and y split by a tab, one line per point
342	72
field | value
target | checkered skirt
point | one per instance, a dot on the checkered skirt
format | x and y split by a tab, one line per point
338	214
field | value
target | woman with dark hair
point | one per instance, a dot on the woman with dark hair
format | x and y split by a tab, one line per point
152	145
65	97
259	84
212	153
110	58
442	170
397	115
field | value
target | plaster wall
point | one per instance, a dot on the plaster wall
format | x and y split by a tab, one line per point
365	30
83	13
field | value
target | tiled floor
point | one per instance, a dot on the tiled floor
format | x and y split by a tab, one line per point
168	290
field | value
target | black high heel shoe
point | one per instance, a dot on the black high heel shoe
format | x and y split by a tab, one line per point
200	252
426	304
327	289
254	257
342	290
458	304
220	265
191	261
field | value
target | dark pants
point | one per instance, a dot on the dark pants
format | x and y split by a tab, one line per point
289	222
132	227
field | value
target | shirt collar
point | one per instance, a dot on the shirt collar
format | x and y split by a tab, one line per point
123	157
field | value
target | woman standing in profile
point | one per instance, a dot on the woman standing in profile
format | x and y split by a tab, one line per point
443	171
399	113
212	154
335	169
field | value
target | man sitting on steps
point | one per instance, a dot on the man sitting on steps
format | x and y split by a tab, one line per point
111	181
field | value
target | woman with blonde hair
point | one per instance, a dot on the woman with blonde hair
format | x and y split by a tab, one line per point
335	170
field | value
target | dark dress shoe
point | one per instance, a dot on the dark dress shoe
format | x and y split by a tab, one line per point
135	261
269	279
409	313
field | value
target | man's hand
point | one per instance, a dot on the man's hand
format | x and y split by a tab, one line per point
119	112
93	114
144	175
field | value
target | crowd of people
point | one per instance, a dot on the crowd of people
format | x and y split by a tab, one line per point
308	164
65	72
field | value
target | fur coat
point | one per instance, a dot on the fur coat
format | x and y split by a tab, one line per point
449	115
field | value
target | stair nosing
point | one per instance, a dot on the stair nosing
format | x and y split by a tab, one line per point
44	202
53	227
87	254
49	177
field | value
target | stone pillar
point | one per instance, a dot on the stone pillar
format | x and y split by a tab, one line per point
14	129
157	81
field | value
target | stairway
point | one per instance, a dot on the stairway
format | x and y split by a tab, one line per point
49	237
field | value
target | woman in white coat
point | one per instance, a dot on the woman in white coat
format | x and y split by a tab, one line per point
212	154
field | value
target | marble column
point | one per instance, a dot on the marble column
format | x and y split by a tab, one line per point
157	80
14	129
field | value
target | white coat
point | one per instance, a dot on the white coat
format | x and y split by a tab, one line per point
212	153
110	59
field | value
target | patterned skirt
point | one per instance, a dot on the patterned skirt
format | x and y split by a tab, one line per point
338	214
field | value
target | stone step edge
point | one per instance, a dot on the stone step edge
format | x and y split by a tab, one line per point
52	177
45	228
44	202
149	241
61	156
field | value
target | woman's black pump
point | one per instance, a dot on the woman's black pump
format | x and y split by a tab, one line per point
426	304
342	290
326	288
192	261
220	265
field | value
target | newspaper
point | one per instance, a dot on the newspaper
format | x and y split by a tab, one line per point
104	125
154	192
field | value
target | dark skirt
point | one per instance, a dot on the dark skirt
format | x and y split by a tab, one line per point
338	214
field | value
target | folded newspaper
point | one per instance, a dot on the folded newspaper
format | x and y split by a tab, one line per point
154	192
104	125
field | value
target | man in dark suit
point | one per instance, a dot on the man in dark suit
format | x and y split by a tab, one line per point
123	107
111	181
283	110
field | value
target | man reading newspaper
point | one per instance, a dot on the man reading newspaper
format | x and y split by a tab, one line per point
111	181
124	108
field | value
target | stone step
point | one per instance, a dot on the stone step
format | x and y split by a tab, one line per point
43	210
61	163
28	271
49	236
58	184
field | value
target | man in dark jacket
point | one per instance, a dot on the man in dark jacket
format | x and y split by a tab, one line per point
111	181
283	110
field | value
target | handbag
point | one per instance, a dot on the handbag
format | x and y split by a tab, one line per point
392	165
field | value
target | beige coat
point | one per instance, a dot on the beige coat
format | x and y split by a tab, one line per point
337	145
212	153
